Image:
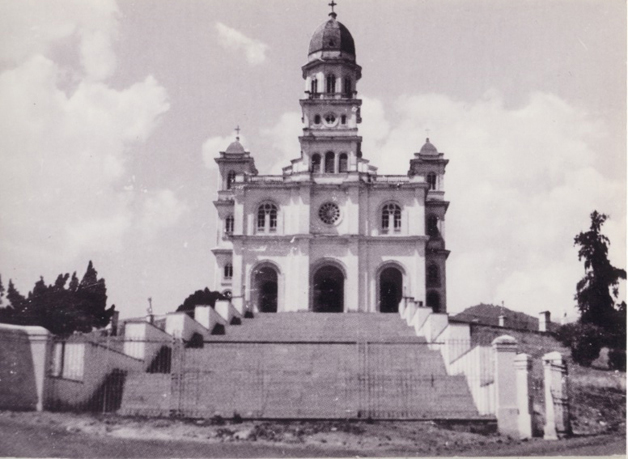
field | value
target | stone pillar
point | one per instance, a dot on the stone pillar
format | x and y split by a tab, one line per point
557	423
523	367
502	321
544	320
505	349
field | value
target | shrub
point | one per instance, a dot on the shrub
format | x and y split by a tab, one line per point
584	340
617	359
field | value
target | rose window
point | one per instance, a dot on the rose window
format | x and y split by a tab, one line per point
329	213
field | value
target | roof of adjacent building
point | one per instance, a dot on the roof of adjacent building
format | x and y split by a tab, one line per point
332	36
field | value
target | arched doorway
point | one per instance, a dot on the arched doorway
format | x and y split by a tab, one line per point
265	288
329	290
390	289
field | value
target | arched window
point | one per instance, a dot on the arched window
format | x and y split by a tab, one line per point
348	88
433	300
316	163
431	180
330	159
228	271
231	176
433	276
343	163
267	218
229	223
432	226
314	86
317	119
391	218
331	83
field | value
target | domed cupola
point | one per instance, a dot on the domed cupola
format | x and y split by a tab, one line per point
428	148
235	148
332	39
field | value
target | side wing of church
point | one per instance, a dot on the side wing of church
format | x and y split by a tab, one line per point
330	234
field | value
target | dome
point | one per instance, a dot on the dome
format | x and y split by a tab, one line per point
332	36
235	148
428	148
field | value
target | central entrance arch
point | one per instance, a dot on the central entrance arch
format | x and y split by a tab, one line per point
390	289
328	289
265	288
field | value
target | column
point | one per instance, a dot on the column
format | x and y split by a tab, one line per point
505	349
523	367
557	423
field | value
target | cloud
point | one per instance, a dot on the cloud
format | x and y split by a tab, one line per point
66	153
160	210
522	182
232	39
284	139
31	27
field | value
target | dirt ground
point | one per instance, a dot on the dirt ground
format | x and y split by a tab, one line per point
27	434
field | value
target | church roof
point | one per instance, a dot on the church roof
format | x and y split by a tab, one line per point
428	148
235	148
332	36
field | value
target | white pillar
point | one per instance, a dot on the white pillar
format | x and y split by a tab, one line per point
523	367
505	349
557	423
502	321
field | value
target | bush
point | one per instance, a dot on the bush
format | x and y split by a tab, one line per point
584	340
617	359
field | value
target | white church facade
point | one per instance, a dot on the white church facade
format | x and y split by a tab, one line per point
329	234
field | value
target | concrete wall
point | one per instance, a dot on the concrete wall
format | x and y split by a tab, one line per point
477	366
180	325
24	354
87	383
143	340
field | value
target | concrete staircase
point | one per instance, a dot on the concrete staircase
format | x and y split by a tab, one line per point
320	327
311	366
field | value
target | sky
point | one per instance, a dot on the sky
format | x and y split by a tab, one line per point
112	113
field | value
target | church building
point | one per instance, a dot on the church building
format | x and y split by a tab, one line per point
329	234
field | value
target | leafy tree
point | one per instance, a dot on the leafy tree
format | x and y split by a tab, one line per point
597	291
1	292
602	321
79	307
200	297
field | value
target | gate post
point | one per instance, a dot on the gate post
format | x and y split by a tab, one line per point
176	375
505	348
523	365
557	423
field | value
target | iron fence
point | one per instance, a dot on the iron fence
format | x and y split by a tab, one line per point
398	379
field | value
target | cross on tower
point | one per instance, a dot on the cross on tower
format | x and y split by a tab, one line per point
237	129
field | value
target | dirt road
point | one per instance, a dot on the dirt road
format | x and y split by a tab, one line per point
69	435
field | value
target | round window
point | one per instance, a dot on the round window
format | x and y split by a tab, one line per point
329	213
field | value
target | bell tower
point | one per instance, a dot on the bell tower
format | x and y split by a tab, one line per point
331	110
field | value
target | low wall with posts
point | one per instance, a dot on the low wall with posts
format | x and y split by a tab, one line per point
88	375
143	340
499	379
181	326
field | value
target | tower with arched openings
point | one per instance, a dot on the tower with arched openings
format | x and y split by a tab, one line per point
330	234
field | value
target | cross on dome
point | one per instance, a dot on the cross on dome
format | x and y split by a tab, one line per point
237	129
332	4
